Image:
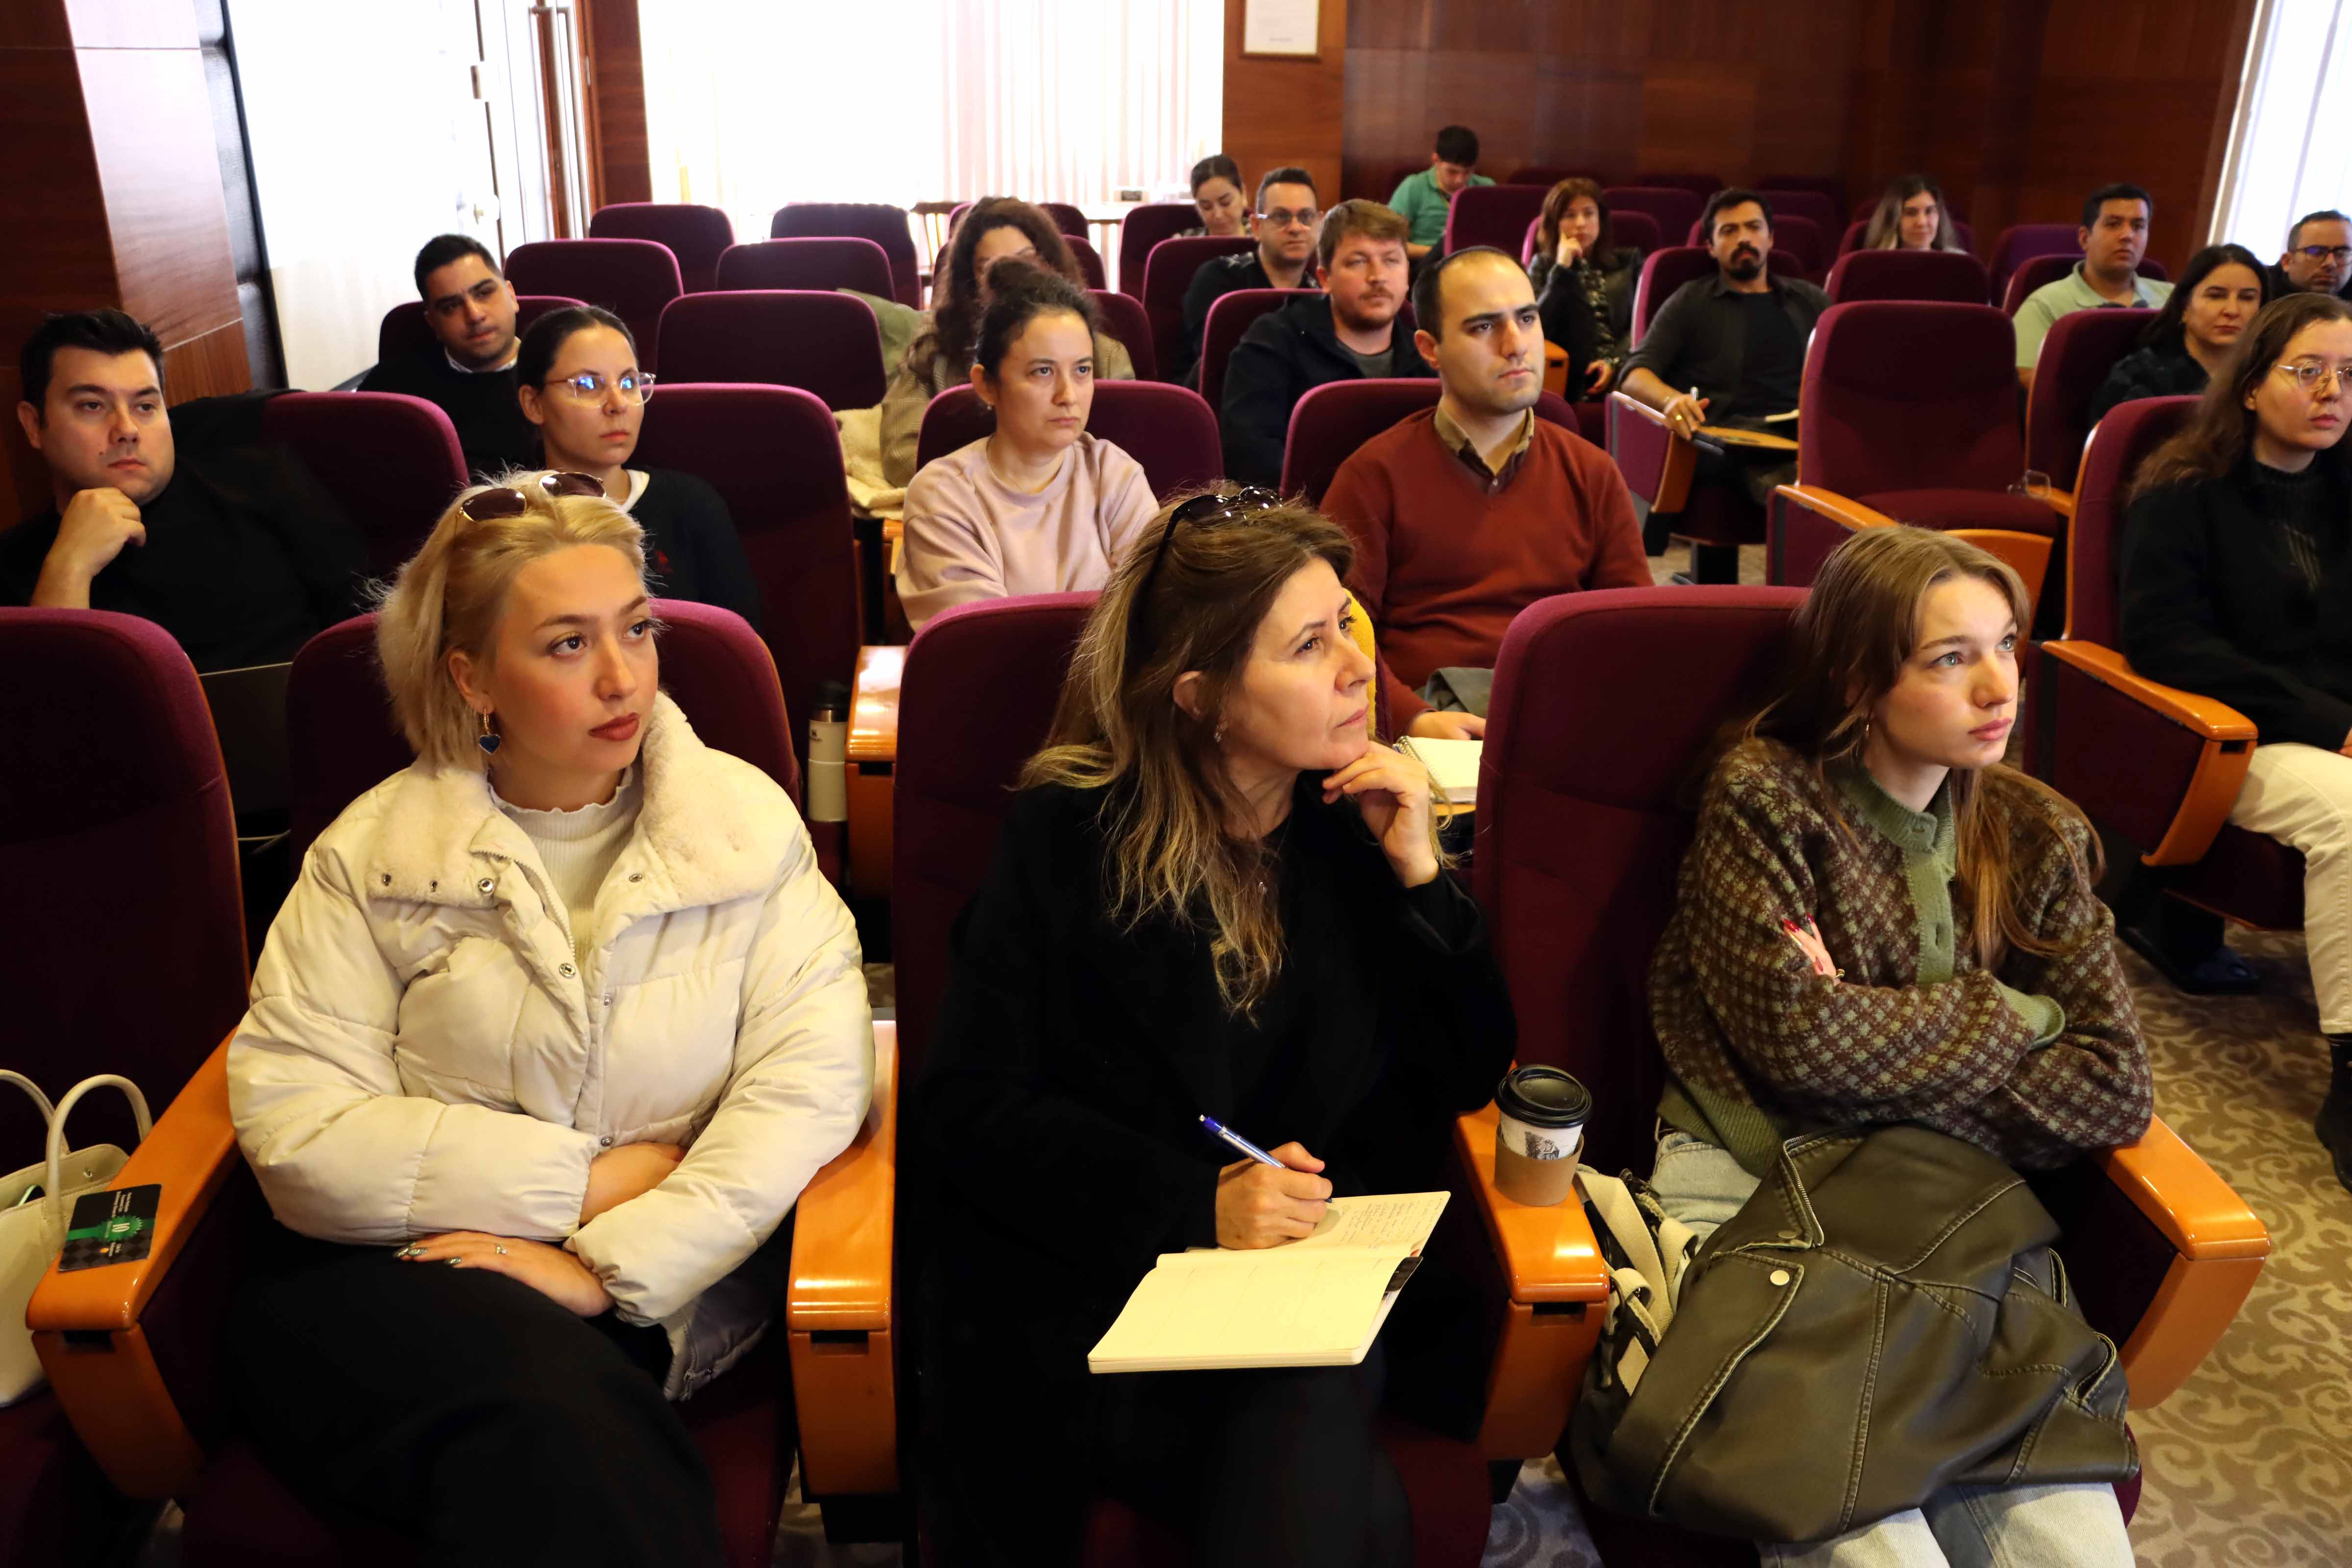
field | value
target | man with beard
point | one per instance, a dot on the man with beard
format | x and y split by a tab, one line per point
1728	351
469	370
2318	259
1467	514
1349	331
2114	236
1283	224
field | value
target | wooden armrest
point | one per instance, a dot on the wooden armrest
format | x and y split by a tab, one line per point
874	704
1836	508
1555	371
2209	717
1557	1289
2220	1248
838	1303
86	1324
2061	501
873	752
2226	747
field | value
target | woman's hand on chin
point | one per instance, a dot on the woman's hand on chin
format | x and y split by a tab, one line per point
1392	790
550	1270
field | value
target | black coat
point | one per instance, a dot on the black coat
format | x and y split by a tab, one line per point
1286	354
2156	371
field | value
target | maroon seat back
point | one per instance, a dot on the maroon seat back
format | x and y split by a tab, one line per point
1167	274
1168	430
1668	268
2117	447
344	740
1068	218
1585	799
1548	175
1674	210
1700	186
826	343
1143	228
1231	315
1331	421
1859	228
633	279
392	460
126	943
1870	423
1824	210
1639	230
829	261
2039	271
975	701
774	454
2078	351
1946	274
696	235
2022	242
883	223
1493	215
404	331
1125	320
1090	261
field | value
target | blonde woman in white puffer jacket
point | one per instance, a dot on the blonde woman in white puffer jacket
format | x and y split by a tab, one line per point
552	1030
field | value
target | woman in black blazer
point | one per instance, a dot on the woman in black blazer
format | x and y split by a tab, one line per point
1215	895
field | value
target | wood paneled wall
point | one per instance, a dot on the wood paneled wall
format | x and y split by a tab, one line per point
1287	111
112	195
2020	107
616	93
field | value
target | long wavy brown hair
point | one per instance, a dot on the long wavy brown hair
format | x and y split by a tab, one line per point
1555	212
1886	230
1847	648
2222	429
955	312
1119	728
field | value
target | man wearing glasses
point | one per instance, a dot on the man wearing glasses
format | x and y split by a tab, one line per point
1283	225
2114	236
2318	259
469	370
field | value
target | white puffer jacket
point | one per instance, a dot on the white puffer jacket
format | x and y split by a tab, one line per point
423	1055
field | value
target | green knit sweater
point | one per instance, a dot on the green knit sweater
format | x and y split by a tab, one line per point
2034	1063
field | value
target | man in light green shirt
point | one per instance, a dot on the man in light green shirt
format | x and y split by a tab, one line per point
2114	237
1426	198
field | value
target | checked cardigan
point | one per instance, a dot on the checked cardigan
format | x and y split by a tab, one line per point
2033	1063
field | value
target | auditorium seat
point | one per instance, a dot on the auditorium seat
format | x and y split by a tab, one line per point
1674	210
1166	275
1143	228
1124	320
980	686
633	279
1585	812
1881	443
2039	271
829	261
1068	218
1547	176
1821	202
696	235
883	223
404	329
1860	227
1492	214
1700	186
1231	315
1947	275
1168	430
2080	349
2020	243
126	954
392	461
823	342
1332	422
1090	261
1797	236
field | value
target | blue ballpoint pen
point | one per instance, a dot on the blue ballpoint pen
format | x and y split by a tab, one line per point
1217	1128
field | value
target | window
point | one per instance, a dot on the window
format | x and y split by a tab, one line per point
2288	152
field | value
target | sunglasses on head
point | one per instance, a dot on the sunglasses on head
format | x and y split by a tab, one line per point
505	500
1201	511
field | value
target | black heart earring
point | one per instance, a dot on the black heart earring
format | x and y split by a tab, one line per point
488	739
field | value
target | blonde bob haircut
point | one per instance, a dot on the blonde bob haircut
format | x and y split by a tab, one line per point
449	594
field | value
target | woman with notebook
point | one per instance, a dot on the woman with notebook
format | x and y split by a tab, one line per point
1216	895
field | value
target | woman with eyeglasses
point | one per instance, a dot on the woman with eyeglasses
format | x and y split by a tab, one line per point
2237	584
577	376
2217	299
554	1027
1040	506
1215	894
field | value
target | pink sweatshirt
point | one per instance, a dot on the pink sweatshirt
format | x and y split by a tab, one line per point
969	535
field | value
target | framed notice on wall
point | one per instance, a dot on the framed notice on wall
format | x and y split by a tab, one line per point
1284	28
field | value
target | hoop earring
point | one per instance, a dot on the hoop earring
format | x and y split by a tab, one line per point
488	739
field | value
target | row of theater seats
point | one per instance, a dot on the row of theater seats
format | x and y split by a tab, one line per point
1581	820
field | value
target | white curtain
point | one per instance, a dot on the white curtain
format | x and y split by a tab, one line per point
2289	151
752	103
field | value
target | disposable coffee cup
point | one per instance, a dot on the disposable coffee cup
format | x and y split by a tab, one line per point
1538	1133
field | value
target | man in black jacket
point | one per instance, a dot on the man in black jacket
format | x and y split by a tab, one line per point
239	555
1351	332
469	370
1284	223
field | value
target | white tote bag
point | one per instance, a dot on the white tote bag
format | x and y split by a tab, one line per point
34	1204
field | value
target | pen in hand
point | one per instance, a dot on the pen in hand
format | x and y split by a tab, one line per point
1216	1128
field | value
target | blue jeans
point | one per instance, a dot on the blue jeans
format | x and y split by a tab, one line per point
2076	1524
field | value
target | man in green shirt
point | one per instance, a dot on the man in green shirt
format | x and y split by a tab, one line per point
2114	236
1425	198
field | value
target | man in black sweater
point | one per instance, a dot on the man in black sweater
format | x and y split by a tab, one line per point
239	555
1351	331
1284	223
469	370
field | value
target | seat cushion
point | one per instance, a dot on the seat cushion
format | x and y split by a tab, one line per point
51	1490
1965	509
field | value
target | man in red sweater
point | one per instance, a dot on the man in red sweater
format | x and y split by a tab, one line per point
1468	513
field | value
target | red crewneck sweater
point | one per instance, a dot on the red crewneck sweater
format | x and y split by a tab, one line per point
1443	567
